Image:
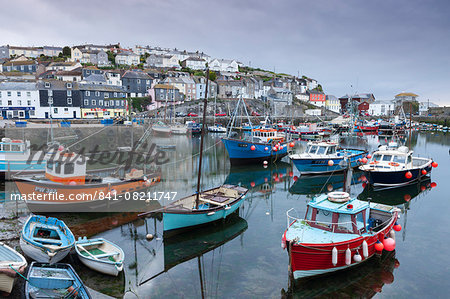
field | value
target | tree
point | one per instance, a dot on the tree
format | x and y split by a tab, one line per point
111	57
212	76
66	51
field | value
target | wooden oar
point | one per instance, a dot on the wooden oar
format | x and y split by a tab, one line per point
81	247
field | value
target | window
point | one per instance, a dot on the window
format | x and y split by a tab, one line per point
31	112
313	149
106	103
387	157
117	103
47	84
50	100
88	93
69	85
55	110
29	102
9	93
123	103
399	159
115	94
50	93
0	94
100	102
69	93
106	95
69	101
58	167
86	102
19	93
19	103
97	93
148	82
138	81
321	150
9	103
28	93
49	165
94	102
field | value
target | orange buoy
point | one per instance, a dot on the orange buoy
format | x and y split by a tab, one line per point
434	164
253	147
408	175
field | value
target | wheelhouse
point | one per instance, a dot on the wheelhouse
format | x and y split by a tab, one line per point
347	217
383	157
321	149
13	146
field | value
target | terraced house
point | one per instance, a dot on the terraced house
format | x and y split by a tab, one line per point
136	84
102	101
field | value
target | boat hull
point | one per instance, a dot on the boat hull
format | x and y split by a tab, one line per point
395	178
240	151
173	221
8	275
320	166
41	255
315	259
105	268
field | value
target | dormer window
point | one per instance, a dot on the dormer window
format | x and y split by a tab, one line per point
69	85
47	84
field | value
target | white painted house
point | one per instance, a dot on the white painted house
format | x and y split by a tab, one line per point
194	63
381	108
224	65
19	100
128	58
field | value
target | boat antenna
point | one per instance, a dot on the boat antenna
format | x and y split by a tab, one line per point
197	200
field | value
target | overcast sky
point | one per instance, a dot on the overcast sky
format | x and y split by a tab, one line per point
382	47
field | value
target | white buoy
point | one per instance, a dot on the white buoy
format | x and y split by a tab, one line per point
392	234
334	256
149	236
348	257
357	258
365	249
265	162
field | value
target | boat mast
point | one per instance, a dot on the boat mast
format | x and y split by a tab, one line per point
197	200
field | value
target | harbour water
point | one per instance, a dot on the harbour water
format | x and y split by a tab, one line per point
242	257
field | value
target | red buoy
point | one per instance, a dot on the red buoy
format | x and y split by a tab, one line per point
330	162
291	173
363	178
252	184
369	156
397	227
434	164
295	178
266	148
364	185
424	172
408	175
253	147
423	188
433	184
274	148
407	197
379	246
292	144
364	160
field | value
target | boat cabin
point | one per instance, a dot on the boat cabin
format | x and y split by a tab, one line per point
66	168
321	148
266	135
387	157
337	213
9	146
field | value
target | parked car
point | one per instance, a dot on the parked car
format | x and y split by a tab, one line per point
191	114
254	113
221	114
180	114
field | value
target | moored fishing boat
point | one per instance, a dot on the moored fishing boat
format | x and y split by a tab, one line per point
100	255
337	233
390	167
11	263
66	187
179	129
54	281
161	129
205	207
265	144
46	239
217	129
326	157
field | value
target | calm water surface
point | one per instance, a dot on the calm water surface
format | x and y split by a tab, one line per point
242	258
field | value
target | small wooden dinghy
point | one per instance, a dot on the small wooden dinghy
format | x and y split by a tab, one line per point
54	281
100	255
11	263
46	239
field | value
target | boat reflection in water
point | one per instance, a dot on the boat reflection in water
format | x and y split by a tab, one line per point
194	244
396	196
312	185
258	177
362	281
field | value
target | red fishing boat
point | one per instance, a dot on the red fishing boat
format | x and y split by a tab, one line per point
337	233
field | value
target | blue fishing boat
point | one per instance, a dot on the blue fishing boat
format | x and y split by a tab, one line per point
11	263
264	144
391	167
210	205
16	157
54	281
46	239
326	157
